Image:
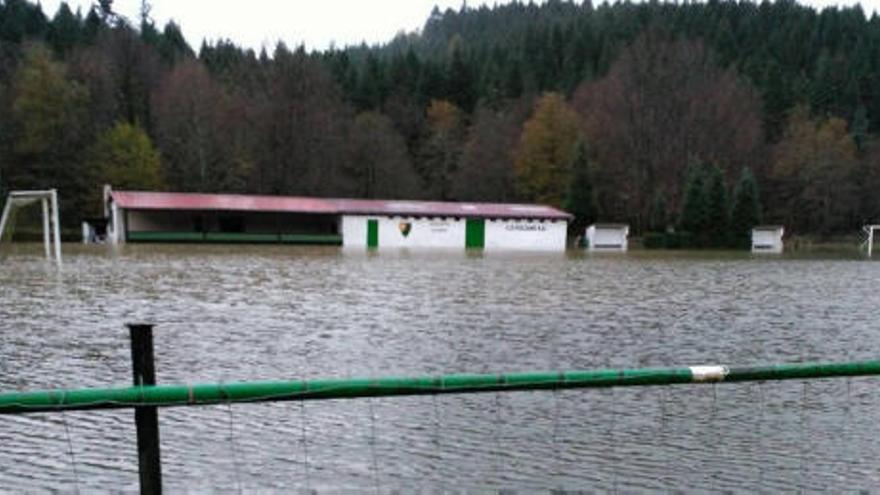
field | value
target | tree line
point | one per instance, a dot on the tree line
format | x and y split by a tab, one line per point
603	110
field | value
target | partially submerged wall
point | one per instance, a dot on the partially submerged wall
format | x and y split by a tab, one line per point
456	233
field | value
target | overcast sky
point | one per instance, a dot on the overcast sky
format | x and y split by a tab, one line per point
317	23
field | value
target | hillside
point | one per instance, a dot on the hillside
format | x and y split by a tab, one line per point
485	104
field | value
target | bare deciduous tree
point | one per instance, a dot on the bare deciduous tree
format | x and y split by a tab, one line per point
662	104
201	129
380	164
486	172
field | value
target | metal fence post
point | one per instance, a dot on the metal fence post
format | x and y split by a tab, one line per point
146	418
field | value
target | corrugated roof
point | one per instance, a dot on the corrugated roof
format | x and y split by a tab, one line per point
447	209
292	204
226	202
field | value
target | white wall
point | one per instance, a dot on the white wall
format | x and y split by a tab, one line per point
533	235
436	232
607	239
354	231
116	228
450	233
767	241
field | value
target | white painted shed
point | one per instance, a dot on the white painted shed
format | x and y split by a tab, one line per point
607	237
767	239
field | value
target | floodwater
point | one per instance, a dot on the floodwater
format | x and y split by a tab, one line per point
262	313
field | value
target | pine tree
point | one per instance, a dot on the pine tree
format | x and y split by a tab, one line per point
716	208
93	26
460	87
581	198
64	31
172	45
106	9
372	87
746	211
149	33
859	127
659	214
513	81
694	205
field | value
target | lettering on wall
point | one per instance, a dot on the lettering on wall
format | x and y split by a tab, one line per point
526	227
439	227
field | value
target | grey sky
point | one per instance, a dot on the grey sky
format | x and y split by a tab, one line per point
317	23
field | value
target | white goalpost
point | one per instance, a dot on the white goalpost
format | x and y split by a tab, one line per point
869	230
49	202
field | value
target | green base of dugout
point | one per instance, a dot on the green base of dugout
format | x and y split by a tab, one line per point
234	238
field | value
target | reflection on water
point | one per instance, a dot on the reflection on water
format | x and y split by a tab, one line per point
228	313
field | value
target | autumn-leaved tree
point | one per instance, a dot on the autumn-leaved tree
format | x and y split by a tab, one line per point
869	184
46	105
812	172
126	159
546	150
46	117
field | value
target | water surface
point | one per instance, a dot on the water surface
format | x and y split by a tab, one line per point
229	313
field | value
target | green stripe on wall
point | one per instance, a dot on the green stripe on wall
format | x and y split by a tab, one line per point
235	237
240	237
329	239
372	233
475	233
165	237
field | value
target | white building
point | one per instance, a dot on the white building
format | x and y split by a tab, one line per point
230	218
607	237
408	231
767	239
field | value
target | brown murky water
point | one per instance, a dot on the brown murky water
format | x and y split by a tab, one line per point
241	313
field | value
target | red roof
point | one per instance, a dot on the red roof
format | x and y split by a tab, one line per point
226	202
447	209
293	204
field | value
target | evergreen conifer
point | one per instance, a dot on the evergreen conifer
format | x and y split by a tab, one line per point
716	208
580	200
659	215
694	205
746	211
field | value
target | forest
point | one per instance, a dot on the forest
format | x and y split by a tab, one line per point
693	116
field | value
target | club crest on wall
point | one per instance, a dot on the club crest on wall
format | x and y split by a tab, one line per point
405	228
